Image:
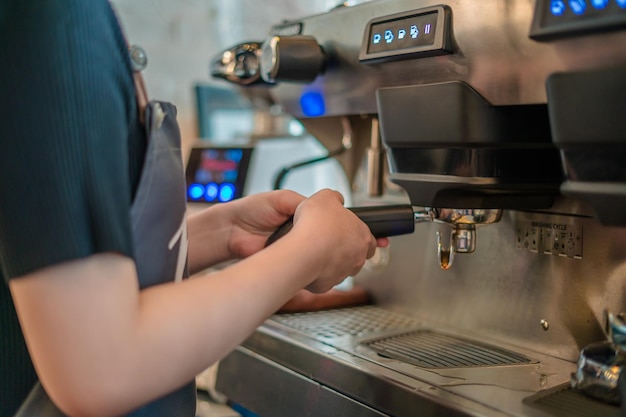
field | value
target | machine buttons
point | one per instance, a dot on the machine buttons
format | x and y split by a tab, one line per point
413	34
563	18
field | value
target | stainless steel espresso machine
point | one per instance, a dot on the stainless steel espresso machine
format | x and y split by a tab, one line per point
502	125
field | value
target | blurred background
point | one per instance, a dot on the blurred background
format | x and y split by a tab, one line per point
181	36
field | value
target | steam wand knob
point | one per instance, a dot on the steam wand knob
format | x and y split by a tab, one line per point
292	58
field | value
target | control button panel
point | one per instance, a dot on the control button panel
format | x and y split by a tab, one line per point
216	174
563	18
414	34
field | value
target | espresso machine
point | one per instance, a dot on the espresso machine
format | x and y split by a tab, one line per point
497	129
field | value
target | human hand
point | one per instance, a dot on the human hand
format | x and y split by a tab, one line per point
338	240
307	301
254	218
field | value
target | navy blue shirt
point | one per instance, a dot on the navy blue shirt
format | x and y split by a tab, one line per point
71	151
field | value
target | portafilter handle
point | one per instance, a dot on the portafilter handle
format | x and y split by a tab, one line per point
383	221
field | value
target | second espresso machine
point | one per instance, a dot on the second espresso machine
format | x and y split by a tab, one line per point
495	133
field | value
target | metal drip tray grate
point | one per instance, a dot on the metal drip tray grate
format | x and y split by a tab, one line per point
428	349
563	401
355	321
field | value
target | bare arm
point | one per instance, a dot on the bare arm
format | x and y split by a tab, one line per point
102	347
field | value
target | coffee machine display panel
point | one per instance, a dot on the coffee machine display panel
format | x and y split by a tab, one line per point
560	18
216	174
413	34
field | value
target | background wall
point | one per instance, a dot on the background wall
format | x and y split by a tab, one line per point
181	36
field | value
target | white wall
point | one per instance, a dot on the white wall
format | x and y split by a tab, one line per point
181	36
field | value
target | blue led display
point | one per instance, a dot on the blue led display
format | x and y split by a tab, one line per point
557	7
312	104
578	6
211	192
195	191
234	154
565	18
600	4
227	192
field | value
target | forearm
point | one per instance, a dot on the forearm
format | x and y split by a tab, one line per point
116	348
207	317
208	234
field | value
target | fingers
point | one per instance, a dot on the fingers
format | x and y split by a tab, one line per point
382	242
343	241
286	201
328	193
372	248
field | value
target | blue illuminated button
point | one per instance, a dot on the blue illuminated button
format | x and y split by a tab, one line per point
234	154
227	192
195	191
578	6
414	31
211	192
621	3
376	38
389	36
557	7
599	4
401	34
312	104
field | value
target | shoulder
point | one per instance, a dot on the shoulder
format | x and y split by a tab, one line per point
60	34
61	49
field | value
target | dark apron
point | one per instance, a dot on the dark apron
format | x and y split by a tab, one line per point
160	242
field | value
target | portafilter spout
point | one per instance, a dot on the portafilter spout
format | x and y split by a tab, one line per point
463	234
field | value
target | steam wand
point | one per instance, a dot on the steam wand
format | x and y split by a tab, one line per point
346	143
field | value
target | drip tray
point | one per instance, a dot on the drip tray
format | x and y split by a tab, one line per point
399	337
353	321
427	349
392	352
563	401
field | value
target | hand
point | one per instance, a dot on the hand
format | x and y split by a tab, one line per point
334	235
256	217
307	301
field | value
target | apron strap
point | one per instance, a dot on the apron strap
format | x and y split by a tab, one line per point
142	96
139	61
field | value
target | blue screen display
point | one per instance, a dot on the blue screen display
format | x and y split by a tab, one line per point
216	175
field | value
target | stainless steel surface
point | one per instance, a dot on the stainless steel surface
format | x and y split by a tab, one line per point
601	364
537	284
375	163
330	348
502	295
599	368
506	288
462	237
239	64
493	54
616	329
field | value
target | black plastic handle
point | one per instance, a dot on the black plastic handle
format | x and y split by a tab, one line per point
383	221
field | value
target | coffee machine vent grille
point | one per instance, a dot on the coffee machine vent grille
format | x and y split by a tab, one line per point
433	350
